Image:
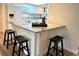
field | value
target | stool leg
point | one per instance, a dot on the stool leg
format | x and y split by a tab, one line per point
27	49
21	45
11	38
14	34
48	48
19	49
7	40
56	49
22	48
14	48
62	47
4	38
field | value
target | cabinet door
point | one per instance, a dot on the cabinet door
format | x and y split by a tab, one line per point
25	7
32	9
28	8
18	13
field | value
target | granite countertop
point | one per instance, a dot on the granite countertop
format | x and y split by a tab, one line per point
39	29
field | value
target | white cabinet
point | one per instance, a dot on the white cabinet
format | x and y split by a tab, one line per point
36	9
25	12
32	9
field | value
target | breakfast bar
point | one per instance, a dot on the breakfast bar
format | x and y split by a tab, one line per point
38	36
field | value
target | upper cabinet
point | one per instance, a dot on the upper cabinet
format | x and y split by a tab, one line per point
25	11
24	7
33	9
29	8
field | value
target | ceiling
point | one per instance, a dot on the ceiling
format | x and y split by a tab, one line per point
35	2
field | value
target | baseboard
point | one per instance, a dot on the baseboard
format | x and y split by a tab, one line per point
66	51
70	52
75	52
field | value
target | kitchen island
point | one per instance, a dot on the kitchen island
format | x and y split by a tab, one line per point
38	36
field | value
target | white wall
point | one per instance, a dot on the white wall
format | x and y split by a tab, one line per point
1	28
3	17
68	14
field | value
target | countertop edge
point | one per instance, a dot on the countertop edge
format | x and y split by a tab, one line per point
38	31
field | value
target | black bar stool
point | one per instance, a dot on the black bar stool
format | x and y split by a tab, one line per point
20	40
8	36
55	40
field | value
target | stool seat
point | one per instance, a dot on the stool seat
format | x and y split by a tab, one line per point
20	39
9	31
8	36
56	39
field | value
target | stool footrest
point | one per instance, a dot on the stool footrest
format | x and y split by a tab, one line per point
17	52
9	39
20	40
10	43
51	48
